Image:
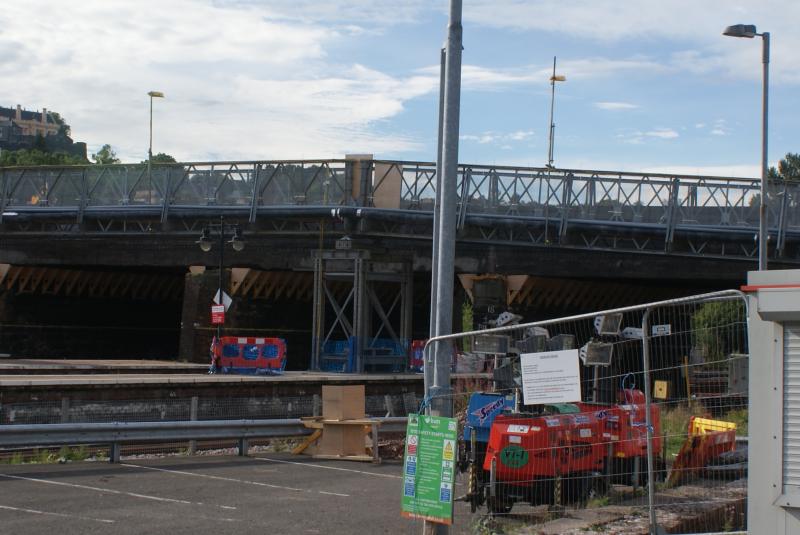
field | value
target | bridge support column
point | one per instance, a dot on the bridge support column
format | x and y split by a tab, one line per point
196	329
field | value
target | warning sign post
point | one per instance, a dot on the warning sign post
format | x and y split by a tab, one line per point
429	468
217	314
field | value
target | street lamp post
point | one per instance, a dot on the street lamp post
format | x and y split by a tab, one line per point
553	79
749	31
222	230
152	95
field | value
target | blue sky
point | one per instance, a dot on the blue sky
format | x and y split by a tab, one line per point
651	85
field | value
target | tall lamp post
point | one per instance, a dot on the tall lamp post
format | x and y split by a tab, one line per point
152	95
749	31
553	79
205	242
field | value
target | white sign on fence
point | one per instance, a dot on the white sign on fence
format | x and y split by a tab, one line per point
551	377
662	330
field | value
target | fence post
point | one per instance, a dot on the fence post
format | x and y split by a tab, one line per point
315	404
651	484
244	445
376	457
387	400
609	463
193	417
64	410
114	452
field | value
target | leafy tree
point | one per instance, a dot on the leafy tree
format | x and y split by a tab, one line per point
718	329
28	157
162	157
788	168
105	155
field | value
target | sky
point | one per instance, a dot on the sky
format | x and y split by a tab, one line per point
651	85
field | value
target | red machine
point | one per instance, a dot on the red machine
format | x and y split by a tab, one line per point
258	356
562	455
624	426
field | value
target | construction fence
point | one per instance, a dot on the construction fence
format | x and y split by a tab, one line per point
627	419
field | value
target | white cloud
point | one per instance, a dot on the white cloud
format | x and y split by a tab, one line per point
657	21
720	128
498	137
242	79
720	170
368	12
662	133
740	171
476	77
638	137
615	106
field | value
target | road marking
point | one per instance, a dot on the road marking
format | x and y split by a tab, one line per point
312	465
221	478
113	491
50	513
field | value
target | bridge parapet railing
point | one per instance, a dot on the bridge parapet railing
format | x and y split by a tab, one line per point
600	195
566	194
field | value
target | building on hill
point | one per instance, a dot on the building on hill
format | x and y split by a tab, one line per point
20	128
34	122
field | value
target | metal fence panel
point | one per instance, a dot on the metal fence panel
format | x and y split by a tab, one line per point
654	435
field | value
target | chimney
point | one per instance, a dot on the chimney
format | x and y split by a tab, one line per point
18	115
44	115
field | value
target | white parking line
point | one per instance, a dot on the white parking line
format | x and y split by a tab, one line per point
50	513
113	491
221	478
312	465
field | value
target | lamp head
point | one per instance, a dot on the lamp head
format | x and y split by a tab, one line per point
205	241
156	94
236	241
741	30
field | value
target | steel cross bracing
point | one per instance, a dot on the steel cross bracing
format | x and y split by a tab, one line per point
640	212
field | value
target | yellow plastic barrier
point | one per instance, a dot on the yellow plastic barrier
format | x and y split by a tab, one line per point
701	426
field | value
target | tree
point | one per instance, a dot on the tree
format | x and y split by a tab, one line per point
162	157
105	155
788	168
717	329
28	157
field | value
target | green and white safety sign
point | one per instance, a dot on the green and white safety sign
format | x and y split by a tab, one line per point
429	468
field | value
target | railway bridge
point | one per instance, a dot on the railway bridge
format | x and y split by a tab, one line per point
345	245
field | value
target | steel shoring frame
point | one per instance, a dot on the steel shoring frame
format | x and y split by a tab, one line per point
383	315
340	319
